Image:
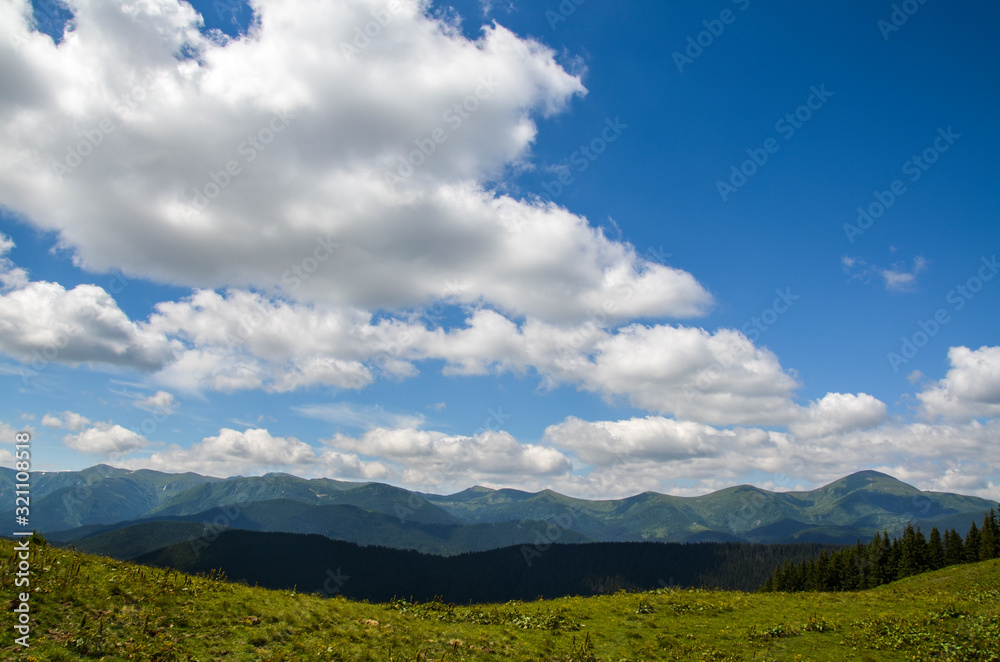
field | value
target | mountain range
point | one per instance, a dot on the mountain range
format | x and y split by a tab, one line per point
126	513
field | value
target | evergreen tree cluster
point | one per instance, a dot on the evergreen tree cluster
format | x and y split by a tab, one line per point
883	560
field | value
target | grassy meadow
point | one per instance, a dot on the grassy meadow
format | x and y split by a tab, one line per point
93	608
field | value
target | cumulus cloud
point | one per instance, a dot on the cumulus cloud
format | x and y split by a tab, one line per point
161	401
650	438
105	439
11	277
693	374
231	452
240	340
68	420
971	389
167	166
44	322
350	466
243	340
683	458
433	459
688	372
8	432
835	413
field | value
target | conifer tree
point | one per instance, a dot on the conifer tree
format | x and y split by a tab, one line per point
954	551
935	550
972	541
989	539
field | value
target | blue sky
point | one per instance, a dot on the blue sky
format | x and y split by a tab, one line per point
566	281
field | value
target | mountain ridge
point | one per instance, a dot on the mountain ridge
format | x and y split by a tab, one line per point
857	506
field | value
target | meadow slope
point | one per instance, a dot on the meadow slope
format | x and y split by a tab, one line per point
94	608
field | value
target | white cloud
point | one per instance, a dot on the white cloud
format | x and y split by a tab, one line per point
349	466
255	452
971	389
161	401
835	413
327	129
896	278
650	438
232	452
682	458
11	277
105	439
244	340
688	372
8	432
68	419
693	374
43	322
432	459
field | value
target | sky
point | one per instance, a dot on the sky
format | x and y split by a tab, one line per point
595	247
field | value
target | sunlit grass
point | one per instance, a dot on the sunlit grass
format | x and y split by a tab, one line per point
94	608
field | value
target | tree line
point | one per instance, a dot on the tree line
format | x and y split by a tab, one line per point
883	560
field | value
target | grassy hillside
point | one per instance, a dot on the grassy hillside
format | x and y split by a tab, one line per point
87	607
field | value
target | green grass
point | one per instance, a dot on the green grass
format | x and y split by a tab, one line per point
92	608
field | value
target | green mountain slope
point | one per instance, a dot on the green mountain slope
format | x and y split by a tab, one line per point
856	506
99	495
131	541
338	522
375	497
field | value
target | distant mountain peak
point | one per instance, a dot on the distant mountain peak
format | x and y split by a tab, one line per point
869	479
